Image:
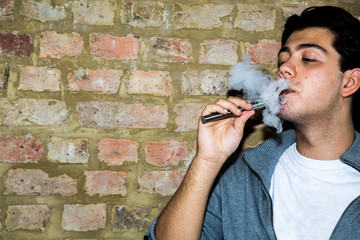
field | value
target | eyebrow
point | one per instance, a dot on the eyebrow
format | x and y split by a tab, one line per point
304	46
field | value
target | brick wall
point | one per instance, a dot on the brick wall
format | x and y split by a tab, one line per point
99	108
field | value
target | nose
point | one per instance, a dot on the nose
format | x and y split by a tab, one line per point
287	70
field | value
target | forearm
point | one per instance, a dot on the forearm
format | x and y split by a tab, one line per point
183	216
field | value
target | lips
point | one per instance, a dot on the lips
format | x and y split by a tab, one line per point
286	91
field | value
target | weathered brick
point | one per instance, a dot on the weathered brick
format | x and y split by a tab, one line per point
219	51
188	116
112	47
105	183
21	149
143	14
33	9
174	50
206	16
118	114
161	182
30	217
208	82
128	219
115	152
166	153
77	217
258	18
37	182
7	10
94	12
68	150
16	44
264	52
3	77
99	80
152	82
39	79
26	111
289	11
59	45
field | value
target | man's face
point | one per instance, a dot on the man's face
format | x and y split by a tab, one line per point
311	63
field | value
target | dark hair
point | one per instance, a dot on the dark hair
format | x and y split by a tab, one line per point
346	30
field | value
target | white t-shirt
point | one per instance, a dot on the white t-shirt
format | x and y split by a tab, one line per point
309	196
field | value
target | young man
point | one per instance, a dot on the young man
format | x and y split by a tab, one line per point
301	184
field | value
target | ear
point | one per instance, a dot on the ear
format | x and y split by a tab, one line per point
350	82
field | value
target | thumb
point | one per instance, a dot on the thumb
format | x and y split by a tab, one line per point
239	122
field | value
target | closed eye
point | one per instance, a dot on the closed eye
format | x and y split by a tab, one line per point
308	60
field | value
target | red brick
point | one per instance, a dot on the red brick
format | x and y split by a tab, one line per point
208	82
82	218
105	81
111	47
39	79
264	52
128	219
166	153
161	182
255	17
219	51
105	183
150	82
188	116
7	10
94	12
59	45
26	111
172	50
30	217
143	14
15	44
21	149
206	16
68	150
33	9
37	182
115	152
117	114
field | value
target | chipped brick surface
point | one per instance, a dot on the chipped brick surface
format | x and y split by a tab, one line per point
94	12
59	45
81	218
98	80
264	52
26	111
166	153
143	14
188	116
7	10
30	217
104	183
21	149
32	9
152	82
116	114
193	16
112	47
37	182
174	50
39	79
219	51
16	44
115	152
256	18
68	150
125	218
162	182
208	82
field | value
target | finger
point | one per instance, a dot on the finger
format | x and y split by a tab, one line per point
213	108
241	102
239	122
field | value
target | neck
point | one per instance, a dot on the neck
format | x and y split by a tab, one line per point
325	141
